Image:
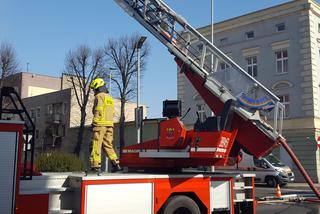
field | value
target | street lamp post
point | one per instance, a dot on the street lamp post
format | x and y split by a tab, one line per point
212	58
106	167
138	110
212	37
110	78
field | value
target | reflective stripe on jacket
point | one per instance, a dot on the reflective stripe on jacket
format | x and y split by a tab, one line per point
103	110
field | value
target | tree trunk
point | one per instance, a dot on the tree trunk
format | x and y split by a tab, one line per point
122	125
77	149
2	79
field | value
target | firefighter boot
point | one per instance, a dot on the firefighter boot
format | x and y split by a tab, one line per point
115	166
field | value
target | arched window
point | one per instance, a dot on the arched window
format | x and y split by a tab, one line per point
283	84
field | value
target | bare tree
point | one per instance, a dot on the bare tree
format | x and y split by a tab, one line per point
8	61
83	65
122	55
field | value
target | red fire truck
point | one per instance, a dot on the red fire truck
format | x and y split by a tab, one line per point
165	179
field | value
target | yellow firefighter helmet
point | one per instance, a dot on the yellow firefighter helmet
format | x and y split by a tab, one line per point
96	83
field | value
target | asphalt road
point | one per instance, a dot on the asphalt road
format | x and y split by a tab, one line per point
263	190
288	207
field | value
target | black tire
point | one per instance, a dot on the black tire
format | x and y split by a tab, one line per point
180	204
271	181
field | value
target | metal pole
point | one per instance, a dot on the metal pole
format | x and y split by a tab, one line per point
212	57
212	37
138	113
110	76
138	91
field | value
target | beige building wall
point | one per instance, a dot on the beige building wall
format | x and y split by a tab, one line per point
51	115
31	84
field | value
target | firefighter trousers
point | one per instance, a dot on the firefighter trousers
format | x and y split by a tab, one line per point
101	139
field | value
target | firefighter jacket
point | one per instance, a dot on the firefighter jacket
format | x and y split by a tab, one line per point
103	110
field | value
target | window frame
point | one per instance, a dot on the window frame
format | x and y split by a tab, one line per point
64	108
37	134
279	25
224	40
282	60
252	65
285	100
49	109
223	66
201	109
248	33
32	113
38	112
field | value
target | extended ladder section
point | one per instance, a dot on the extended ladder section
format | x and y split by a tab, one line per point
220	74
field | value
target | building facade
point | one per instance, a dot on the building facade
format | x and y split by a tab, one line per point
280	47
52	104
30	84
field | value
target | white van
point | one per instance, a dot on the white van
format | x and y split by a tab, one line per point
269	169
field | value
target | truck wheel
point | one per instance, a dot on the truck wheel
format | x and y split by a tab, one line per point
180	204
271	181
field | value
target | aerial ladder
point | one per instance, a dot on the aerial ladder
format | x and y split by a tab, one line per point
199	60
193	54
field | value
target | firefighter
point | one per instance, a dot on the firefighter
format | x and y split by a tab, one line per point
102	127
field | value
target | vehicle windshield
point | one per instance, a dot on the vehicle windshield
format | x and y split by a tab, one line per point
274	161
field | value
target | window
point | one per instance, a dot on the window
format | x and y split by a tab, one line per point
38	112
49	109
260	163
282	84
284	99
37	134
282	61
252	66
32	113
280	27
250	35
64	108
223	66
200	46
57	108
63	130
201	111
224	41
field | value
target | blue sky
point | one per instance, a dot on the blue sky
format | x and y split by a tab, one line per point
43	31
